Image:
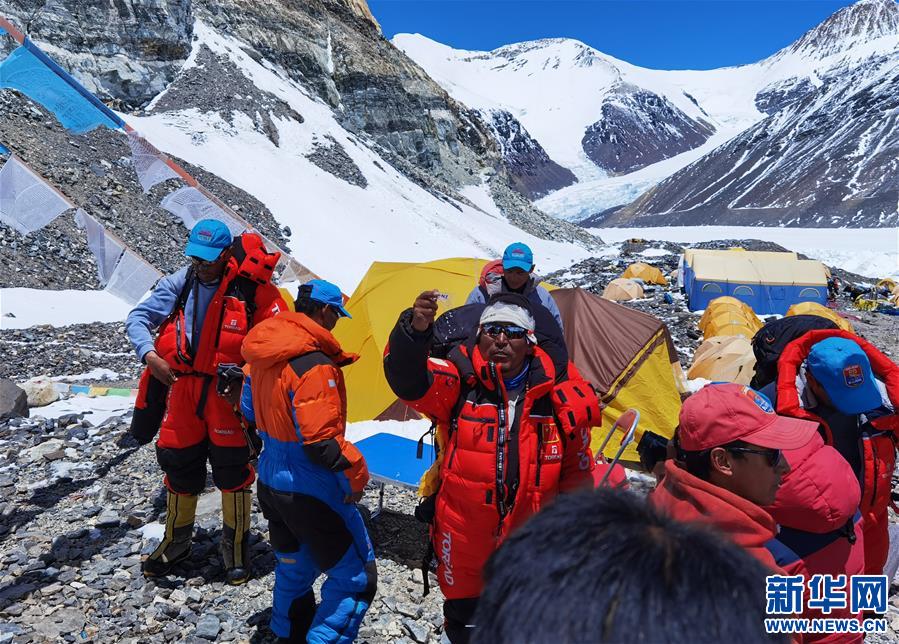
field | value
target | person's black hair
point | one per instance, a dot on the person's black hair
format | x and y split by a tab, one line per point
699	463
604	566
305	304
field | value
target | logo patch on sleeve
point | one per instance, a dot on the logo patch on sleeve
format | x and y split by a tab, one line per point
853	375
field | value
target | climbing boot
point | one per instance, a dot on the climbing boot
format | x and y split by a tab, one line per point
235	535
181	509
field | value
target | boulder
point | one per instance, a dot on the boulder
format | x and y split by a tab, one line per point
13	400
40	391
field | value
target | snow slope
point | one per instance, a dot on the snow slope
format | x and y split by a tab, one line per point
31	306
338	228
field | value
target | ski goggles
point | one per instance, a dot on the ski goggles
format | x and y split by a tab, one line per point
511	331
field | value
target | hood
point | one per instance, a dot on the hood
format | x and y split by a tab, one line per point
820	493
792	397
690	499
288	335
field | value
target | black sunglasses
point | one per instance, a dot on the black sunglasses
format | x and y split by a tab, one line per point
773	456
203	262
511	331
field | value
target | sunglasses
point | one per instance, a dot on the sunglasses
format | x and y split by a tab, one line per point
773	456
202	263
511	331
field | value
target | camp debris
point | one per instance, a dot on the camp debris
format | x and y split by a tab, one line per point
724	359
770	282
622	290
628	356
643	271
729	316
813	308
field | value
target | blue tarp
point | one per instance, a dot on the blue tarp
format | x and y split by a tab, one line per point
393	459
30	71
3	149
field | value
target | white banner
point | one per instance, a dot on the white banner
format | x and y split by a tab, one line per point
106	247
132	278
27	202
190	205
148	164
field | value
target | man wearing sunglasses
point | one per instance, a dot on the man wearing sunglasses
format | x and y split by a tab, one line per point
730	463
201	315
514	273
509	437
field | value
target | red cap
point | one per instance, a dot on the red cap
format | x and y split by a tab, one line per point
720	414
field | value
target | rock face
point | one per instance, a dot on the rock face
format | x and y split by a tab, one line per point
127	51
825	158
532	172
335	47
639	128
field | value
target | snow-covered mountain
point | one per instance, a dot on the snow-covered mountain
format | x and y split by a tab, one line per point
812	128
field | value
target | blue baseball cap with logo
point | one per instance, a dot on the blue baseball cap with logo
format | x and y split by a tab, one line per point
208	238
518	255
844	371
327	293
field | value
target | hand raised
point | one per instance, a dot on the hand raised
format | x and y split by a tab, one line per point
424	310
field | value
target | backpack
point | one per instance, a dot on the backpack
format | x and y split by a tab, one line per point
769	342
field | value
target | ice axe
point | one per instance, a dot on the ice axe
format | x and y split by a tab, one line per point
627	424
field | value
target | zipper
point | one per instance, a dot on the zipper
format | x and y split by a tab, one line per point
875	472
452	456
539	452
500	447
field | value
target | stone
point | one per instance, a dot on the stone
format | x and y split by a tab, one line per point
13	400
40	391
37	453
62	623
108	519
208	627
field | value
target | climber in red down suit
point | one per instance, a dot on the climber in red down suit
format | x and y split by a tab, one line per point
513	437
202	313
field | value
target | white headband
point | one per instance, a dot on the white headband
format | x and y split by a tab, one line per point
510	314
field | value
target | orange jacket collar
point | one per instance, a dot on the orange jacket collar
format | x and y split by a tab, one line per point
288	335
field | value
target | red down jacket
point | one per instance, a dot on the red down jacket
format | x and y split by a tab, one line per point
877	437
820	524
492	476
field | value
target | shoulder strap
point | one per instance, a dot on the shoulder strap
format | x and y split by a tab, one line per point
304	363
181	300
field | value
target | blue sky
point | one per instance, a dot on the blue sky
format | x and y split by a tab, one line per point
661	34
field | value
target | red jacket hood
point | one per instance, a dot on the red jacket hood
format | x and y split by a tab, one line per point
789	395
688	498
288	335
820	493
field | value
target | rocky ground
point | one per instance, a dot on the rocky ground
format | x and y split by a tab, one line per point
79	511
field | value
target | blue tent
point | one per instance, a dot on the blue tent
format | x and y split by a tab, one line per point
769	282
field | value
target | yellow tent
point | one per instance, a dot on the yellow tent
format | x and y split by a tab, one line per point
729	316
813	308
645	272
724	359
387	289
621	290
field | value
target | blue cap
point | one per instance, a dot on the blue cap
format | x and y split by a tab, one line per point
844	371
327	293
518	255
208	238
